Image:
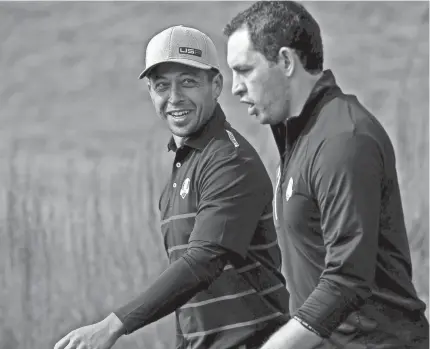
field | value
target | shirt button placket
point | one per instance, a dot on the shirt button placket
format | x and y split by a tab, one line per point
178	165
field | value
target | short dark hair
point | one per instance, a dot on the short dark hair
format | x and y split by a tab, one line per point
276	24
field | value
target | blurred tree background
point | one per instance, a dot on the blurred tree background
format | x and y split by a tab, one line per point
83	156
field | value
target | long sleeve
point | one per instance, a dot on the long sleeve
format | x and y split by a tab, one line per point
347	183
193	272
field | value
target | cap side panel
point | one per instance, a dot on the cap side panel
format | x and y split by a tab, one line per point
206	48
170	52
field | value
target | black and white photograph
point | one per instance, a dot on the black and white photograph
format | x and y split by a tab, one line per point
214	174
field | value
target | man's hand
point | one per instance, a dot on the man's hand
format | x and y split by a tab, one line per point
101	335
293	335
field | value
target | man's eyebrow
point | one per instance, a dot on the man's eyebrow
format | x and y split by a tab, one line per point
190	73
156	77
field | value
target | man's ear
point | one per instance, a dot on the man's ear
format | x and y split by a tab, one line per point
217	85
150	89
286	57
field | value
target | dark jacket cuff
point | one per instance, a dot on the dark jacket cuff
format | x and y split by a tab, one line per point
327	307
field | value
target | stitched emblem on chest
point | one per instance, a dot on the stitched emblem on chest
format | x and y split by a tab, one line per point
185	189
278	181
289	191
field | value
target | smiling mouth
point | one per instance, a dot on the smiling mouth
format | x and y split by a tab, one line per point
179	113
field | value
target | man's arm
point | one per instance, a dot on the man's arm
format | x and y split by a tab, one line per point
293	335
232	199
200	265
347	184
194	271
235	190
101	335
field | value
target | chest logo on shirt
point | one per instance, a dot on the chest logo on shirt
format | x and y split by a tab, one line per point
278	181
185	189
289	191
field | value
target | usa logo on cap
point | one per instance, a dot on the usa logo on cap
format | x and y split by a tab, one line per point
190	51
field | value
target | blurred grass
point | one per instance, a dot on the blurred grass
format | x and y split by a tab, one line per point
83	155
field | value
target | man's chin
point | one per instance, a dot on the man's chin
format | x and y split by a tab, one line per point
262	120
181	135
266	120
180	131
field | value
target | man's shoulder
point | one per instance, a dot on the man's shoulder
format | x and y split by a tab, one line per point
229	146
344	117
227	140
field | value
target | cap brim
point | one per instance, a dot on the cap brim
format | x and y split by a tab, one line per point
183	61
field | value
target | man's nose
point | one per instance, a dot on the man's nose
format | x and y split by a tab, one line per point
237	87
176	95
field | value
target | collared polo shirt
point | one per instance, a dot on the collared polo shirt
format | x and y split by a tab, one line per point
339	217
221	193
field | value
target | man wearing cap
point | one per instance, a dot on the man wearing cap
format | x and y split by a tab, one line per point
338	207
224	279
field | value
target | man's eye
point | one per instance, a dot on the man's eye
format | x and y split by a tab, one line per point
243	70
161	86
189	82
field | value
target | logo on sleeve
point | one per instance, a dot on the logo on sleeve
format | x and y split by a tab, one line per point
232	138
185	188
289	191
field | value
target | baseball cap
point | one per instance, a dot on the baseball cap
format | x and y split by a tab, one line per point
182	45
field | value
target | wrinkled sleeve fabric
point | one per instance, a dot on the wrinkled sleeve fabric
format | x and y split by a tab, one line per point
234	193
347	177
198	267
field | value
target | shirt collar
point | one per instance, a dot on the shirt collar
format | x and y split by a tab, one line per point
326	81
294	125
201	138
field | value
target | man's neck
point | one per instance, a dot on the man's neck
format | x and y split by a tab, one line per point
303	90
179	141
